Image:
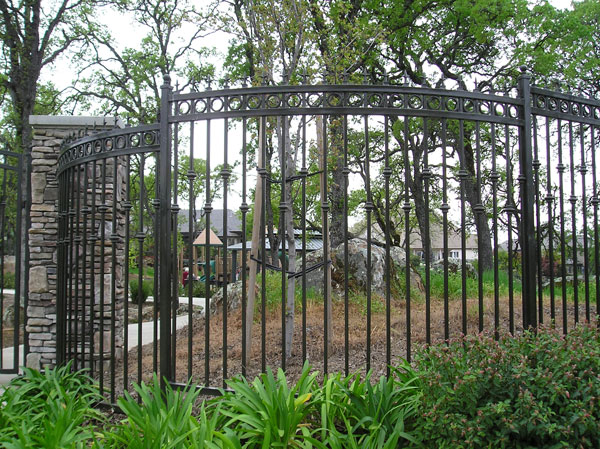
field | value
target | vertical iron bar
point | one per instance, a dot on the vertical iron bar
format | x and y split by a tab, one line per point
191	175
304	172
538	225
263	265
479	212
407	208
445	208
369	210
573	201
326	261
207	268
595	202
102	208
527	232
387	172
77	240
583	171
495	177
510	206
549	204
426	175
561	168
141	237
174	256
114	239
463	174
93	240
164	259
127	208
282	233
225	173
244	209
86	212
346	271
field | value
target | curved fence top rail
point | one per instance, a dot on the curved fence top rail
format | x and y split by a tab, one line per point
117	142
346	99
555	104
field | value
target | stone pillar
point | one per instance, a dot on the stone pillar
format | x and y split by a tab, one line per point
48	135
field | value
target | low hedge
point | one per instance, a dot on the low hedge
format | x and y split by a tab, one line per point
537	390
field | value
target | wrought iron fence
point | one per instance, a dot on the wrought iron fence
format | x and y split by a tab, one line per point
438	213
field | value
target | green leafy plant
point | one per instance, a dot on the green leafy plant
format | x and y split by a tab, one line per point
536	390
267	413
50	409
163	419
138	294
358	414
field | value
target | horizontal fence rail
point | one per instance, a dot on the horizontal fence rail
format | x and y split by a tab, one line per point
346	225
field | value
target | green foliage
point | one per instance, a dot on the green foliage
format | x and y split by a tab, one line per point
537	390
455	285
136	294
267	413
355	413
162	419
52	409
8	280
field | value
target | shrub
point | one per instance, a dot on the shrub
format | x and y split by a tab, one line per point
136	295
8	280
537	390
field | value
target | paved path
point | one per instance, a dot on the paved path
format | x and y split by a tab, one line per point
147	337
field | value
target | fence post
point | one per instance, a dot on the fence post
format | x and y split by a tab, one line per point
164	233
527	231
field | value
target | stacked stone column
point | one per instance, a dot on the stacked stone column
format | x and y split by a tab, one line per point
49	134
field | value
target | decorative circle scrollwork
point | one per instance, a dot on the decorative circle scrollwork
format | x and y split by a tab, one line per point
415	102
200	106
183	108
216	104
334	99
234	103
134	140
254	102
294	101
434	103
451	103
315	100
274	101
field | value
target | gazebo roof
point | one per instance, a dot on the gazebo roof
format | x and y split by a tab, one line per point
213	240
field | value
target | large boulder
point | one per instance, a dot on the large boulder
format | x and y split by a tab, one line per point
358	268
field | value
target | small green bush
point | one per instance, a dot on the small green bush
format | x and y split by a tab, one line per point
134	290
537	390
8	280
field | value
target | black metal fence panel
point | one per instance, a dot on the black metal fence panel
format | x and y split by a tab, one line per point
345	225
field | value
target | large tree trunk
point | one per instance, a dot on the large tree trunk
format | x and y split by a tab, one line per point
485	254
256	230
337	187
288	169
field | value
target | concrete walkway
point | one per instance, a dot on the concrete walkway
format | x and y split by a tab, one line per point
132	341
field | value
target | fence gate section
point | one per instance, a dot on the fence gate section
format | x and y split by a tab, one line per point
346	225
12	305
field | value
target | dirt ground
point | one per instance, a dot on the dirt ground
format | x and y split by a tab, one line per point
8	335
357	347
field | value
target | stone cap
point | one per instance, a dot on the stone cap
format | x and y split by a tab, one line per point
74	122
